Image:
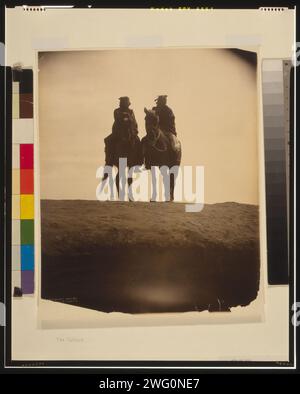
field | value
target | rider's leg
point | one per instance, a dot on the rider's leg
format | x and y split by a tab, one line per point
172	140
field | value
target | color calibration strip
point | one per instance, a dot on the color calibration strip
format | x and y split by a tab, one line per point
22	182
275	89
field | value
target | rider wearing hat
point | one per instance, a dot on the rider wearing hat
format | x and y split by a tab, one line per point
124	123
166	119
124	117
165	115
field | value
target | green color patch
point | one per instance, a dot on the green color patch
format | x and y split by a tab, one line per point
27	232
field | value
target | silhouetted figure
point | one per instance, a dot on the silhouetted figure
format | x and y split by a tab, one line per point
166	119
124	128
124	119
123	142
165	114
160	152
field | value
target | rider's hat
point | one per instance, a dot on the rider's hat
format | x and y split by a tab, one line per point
161	97
124	99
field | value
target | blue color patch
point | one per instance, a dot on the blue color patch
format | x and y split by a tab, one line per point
27	257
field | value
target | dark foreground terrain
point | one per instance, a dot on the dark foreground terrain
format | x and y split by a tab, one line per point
149	257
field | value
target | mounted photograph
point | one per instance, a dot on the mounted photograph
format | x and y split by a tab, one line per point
149	182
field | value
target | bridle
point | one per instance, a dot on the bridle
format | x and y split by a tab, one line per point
157	133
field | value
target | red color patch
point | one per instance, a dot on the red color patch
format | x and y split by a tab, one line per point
26	156
26	182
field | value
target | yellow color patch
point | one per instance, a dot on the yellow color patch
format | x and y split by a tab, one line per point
15	206
15	181
27	206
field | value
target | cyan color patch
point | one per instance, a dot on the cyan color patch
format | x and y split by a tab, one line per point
27	258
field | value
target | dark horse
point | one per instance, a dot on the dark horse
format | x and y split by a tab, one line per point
158	151
125	144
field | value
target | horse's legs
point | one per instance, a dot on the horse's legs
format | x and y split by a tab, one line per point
129	181
173	176
169	178
118	182
172	184
166	176
154	184
111	187
123	183
107	176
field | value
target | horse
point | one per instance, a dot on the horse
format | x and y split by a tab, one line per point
159	151
123	144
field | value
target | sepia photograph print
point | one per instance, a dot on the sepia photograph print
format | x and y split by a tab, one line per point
149	179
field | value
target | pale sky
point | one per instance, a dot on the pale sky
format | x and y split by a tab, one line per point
212	92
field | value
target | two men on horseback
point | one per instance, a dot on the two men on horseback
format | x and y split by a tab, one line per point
125	125
160	148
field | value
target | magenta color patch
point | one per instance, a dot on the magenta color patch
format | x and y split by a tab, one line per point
27	282
26	156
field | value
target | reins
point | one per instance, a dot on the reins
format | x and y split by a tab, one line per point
153	144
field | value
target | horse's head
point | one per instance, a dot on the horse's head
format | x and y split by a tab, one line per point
151	120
